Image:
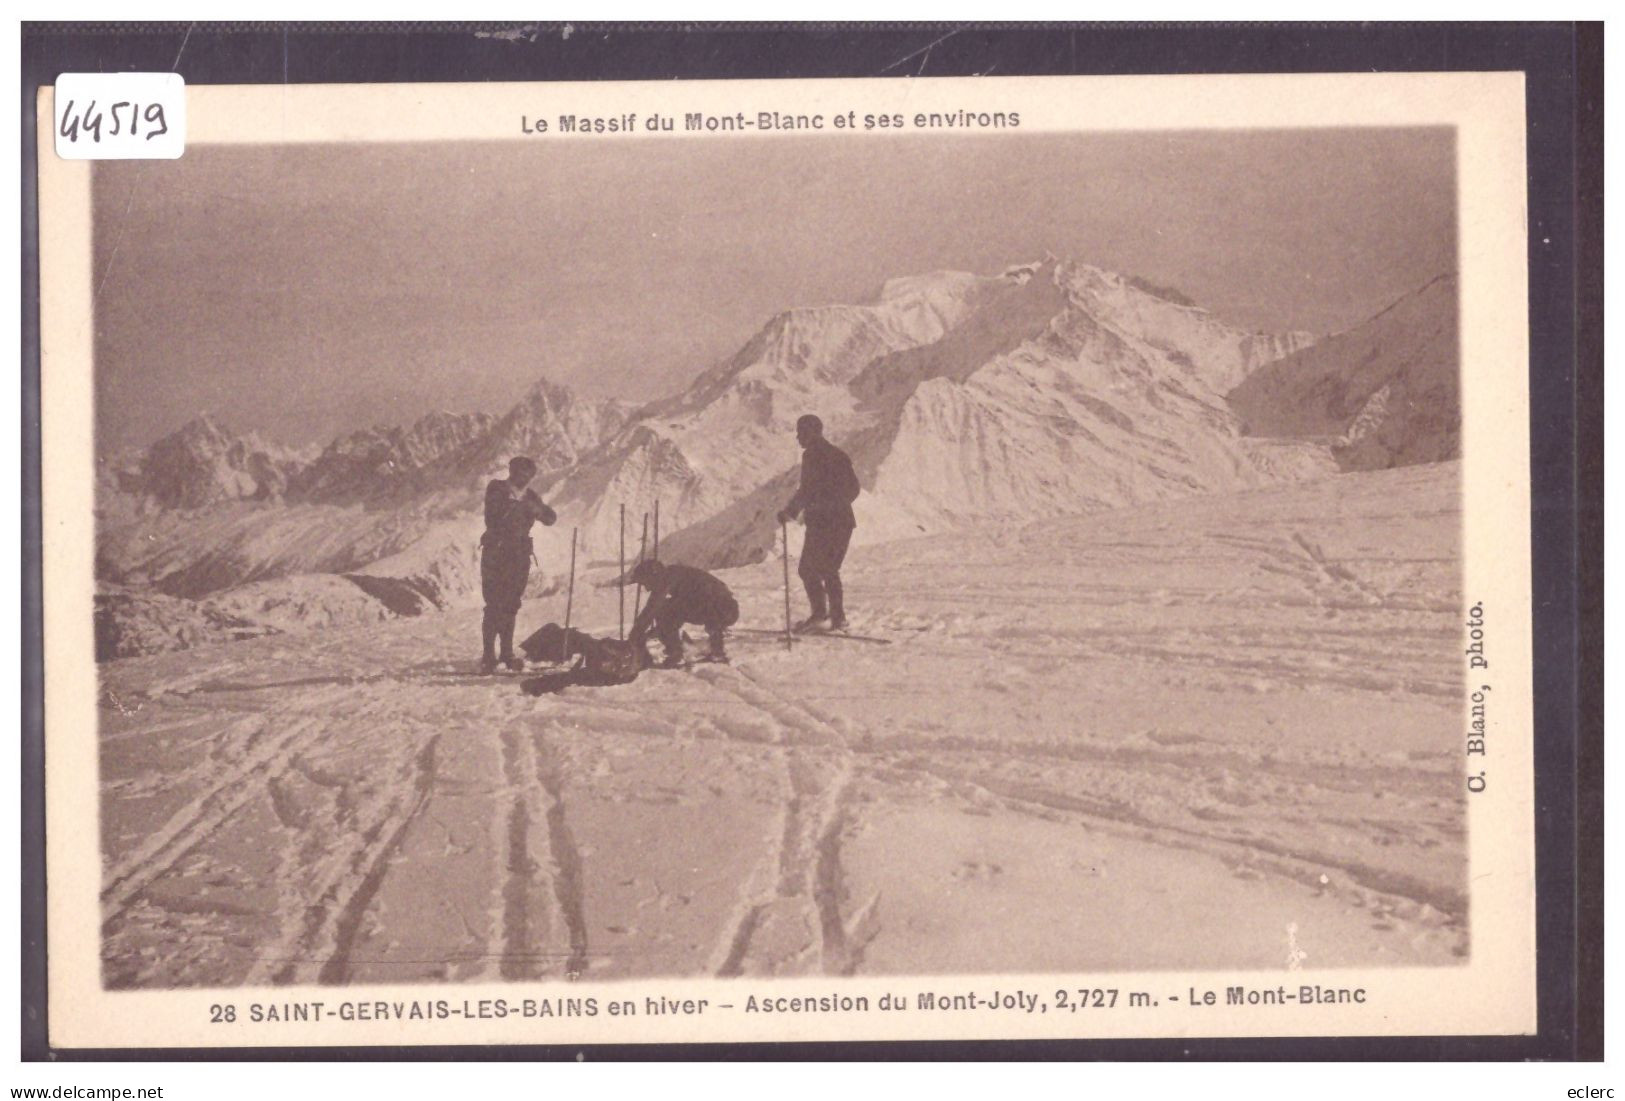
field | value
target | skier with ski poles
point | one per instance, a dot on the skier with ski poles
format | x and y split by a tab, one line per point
828	487
505	557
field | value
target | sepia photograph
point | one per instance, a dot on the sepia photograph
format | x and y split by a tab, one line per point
1125	572
823	545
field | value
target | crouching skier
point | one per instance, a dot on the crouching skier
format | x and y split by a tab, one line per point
679	595
505	554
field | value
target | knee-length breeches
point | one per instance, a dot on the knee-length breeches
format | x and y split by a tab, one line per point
503	574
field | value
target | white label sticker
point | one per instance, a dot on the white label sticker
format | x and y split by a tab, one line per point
120	116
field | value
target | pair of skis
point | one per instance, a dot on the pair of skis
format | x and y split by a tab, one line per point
768	633
804	635
789	635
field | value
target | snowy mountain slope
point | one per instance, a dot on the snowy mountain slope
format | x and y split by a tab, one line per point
1386	392
1051	388
1087	416
733	428
1067	389
1216	354
195	553
924	404
132	621
1008	311
264	569
1246	707
195	520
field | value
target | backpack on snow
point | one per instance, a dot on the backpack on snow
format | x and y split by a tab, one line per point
602	660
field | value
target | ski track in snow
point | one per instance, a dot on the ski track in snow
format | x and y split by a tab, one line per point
819	772
1224	710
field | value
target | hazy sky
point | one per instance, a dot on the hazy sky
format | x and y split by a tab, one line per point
302	291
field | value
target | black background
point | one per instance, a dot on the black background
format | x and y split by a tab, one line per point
1563	67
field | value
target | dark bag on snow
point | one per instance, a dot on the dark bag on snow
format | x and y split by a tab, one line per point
611	661
603	660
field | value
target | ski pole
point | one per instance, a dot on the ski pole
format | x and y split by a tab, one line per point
620	580
785	528
643	545
657	529
570	599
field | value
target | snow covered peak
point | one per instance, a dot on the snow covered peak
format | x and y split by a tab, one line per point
544	393
1211	351
202	463
550	424
385	463
943	286
807	347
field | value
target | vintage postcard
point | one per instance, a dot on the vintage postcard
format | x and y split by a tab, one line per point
806	560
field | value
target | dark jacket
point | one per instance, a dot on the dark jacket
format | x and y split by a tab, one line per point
508	518
691	593
829	485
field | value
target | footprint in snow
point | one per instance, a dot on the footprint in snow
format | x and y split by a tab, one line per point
975	869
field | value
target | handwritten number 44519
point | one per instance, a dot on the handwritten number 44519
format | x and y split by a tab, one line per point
90	120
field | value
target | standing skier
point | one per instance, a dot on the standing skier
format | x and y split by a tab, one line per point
679	595
828	488
505	553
